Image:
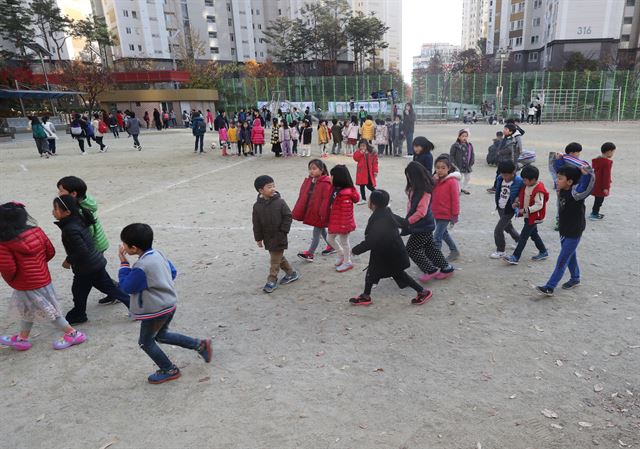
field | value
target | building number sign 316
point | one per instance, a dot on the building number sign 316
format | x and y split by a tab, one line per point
584	30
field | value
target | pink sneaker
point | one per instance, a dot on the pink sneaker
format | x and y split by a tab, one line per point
15	342
428	276
345	266
68	340
444	275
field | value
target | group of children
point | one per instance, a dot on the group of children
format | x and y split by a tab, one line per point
146	288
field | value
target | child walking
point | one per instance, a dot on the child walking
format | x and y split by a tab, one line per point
446	203
305	139
463	157
257	137
420	225
388	257
87	263
573	189
271	224
382	137
153	276
508	189
313	205
532	205
323	138
341	218
602	168
367	170
25	251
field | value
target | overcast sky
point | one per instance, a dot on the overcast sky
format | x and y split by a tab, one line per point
425	21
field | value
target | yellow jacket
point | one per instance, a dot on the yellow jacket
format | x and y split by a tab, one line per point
368	130
323	135
233	135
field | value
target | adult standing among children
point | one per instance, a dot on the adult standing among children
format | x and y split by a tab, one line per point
221	120
408	123
156	119
538	113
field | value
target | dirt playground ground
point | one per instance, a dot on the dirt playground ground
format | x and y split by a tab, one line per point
487	363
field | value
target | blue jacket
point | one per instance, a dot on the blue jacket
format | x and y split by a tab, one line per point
198	126
426	159
513	193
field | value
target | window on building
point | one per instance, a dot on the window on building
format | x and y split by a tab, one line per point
127	30
279	12
213	34
631	2
132	47
208	3
134	14
533	57
155	35
139	47
214	50
153	19
257	12
518	41
233	51
535	39
628	20
517	57
243	27
125	13
229	7
251	11
536	22
625	38
211	19
261	53
230	22
259	26
231	37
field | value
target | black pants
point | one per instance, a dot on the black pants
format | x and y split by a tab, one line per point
402	279
82	285
136	142
529	231
114	130
98	140
257	148
363	193
597	204
425	254
81	143
199	143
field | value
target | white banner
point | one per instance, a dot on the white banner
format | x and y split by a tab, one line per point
284	105
343	107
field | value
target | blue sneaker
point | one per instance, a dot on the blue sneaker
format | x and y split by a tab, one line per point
513	260
289	278
541	255
269	287
162	375
205	350
571	283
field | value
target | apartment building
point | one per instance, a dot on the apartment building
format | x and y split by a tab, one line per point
475	21
447	53
389	12
541	34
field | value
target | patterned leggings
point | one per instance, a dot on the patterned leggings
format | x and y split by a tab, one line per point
424	253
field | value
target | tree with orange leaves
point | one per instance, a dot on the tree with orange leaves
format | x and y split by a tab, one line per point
90	78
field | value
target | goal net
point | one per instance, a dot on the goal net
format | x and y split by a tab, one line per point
578	104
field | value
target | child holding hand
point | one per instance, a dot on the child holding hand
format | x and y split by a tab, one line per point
446	203
341	217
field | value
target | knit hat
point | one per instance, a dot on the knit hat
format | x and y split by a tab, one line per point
511	127
462	131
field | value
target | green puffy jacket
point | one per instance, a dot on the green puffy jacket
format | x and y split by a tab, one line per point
99	237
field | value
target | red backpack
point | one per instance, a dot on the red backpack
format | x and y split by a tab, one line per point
102	127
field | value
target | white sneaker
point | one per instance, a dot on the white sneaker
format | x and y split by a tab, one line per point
361	202
84	153
498	254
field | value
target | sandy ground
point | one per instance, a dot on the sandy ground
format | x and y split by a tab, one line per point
300	368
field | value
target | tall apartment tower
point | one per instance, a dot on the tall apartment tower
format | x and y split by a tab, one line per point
389	12
541	34
475	17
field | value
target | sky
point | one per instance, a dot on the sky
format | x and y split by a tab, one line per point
425	21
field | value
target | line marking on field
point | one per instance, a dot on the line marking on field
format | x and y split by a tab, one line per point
23	167
171	186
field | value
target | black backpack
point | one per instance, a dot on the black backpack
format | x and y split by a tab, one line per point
201	127
492	154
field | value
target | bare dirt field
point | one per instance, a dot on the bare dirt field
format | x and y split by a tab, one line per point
473	368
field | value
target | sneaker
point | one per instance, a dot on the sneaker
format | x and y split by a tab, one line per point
84	153
106	147
446	273
139	147
466	192
491	190
595	217
269	287
338	262
107	300
511	260
453	255
426	277
162	375
306	255
289	278
329	250
344	266
15	342
361	202
102	150
362	300
572	283
422	297
68	340
205	350
542	255
545	290
47	154
497	255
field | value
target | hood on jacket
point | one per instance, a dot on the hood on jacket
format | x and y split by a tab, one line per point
89	203
455	175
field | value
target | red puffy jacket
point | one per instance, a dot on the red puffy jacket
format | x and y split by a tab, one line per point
367	167
23	261
445	198
314	210
257	133
341	219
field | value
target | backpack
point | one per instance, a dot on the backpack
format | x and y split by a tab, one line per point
76	130
201	127
492	154
166	116
102	127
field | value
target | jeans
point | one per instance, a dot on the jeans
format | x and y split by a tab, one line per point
199	143
82	285
157	330
504	225
441	233
338	146
597	204
135	139
529	231
567	258
315	240
409	137
114	130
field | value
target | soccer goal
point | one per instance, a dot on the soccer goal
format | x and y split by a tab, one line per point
578	104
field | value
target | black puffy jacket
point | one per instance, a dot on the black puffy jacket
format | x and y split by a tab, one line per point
78	244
